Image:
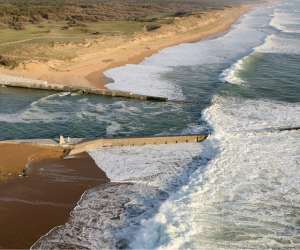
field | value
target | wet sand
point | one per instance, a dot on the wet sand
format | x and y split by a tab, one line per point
87	68
14	157
31	206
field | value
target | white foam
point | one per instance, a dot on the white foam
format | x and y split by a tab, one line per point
123	107
112	128
248	196
230	75
280	45
157	165
238	146
288	22
108	215
147	78
286	17
273	44
34	112
63	94
253	115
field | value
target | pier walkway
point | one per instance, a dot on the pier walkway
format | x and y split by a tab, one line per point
76	146
135	141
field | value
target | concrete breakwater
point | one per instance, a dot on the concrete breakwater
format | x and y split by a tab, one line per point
135	141
20	82
77	146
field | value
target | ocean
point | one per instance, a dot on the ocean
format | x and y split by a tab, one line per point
240	189
249	195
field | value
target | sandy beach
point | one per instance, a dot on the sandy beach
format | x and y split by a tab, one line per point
98	55
34	204
216	165
15	157
51	186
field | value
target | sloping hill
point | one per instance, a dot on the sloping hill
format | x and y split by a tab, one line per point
15	13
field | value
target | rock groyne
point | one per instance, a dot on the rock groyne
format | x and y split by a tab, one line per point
20	82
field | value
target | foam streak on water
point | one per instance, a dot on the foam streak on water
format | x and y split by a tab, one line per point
146	78
237	190
249	196
144	176
33	112
275	42
286	17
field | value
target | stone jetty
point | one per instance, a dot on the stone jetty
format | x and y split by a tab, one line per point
20	82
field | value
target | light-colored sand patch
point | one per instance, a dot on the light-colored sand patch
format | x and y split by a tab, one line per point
14	157
107	52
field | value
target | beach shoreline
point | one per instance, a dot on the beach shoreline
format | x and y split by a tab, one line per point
88	68
86	71
44	196
15	157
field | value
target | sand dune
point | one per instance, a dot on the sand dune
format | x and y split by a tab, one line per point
98	55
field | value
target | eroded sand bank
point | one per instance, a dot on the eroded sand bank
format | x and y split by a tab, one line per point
15	157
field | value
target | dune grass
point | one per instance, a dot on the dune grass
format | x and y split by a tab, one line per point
36	41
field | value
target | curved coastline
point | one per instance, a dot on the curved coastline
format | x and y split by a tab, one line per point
127	198
156	193
87	71
132	198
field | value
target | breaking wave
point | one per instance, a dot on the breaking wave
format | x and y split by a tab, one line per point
239	189
248	196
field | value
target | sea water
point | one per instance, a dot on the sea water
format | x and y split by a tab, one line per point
237	190
249	195
26	114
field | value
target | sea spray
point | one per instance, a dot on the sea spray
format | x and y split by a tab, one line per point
143	177
224	202
146	78
248	195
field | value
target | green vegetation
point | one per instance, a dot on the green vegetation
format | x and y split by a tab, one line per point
32	28
37	41
14	13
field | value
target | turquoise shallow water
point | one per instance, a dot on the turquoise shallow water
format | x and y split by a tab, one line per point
269	76
195	73
247	196
242	191
34	114
43	114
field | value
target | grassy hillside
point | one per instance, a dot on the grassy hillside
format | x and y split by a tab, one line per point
15	13
32	28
